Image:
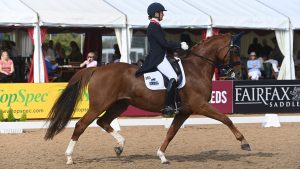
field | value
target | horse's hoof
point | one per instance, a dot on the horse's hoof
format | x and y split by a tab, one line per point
118	151
69	160
165	162
246	147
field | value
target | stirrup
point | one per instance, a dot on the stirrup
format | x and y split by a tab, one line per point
168	110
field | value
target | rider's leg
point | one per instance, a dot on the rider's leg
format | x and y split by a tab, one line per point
166	68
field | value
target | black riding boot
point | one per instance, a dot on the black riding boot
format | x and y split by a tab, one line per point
170	97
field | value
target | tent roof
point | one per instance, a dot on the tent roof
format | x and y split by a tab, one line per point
77	13
290	8
15	13
178	15
241	14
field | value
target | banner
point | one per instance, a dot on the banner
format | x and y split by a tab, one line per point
221	96
266	96
36	100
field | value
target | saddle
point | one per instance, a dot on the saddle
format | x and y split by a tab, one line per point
157	81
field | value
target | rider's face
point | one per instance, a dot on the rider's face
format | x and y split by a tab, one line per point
159	15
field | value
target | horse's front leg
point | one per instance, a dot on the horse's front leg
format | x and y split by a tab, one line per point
207	110
177	122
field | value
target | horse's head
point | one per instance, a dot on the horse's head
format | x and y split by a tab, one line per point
218	50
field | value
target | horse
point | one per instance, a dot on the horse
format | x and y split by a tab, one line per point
112	88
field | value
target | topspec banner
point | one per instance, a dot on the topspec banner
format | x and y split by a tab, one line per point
36	100
266	96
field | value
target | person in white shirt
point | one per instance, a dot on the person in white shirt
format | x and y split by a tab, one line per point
273	62
89	62
253	66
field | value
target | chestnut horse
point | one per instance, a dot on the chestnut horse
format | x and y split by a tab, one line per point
113	87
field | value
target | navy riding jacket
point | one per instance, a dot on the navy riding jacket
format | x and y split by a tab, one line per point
158	48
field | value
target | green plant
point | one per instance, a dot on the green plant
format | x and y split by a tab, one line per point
1	115
23	117
10	116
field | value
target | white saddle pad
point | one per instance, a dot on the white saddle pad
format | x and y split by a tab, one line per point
155	80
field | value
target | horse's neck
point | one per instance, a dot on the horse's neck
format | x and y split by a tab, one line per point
198	68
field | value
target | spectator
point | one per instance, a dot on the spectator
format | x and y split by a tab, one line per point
117	54
12	49
6	67
255	47
75	54
90	61
50	51
51	68
266	49
59	54
274	64
253	66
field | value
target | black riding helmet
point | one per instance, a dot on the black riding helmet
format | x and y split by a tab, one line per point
155	7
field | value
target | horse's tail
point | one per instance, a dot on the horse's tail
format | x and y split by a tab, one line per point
64	106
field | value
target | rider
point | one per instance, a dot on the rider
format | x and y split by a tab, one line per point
156	58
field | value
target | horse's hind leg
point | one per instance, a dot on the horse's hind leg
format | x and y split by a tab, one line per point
80	126
114	111
208	111
177	122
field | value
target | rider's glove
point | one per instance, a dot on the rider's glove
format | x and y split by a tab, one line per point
184	46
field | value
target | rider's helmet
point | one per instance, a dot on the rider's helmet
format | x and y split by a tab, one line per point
155	7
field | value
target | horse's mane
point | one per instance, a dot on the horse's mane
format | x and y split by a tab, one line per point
200	44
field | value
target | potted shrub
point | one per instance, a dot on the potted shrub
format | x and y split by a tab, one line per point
10	116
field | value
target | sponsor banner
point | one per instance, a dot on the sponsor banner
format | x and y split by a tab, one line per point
266	96
36	100
221	96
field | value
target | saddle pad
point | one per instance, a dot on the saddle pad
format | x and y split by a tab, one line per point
155	80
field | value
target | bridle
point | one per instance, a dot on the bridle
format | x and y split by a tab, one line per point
230	46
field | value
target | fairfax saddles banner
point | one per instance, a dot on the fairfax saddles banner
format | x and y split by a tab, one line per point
266	96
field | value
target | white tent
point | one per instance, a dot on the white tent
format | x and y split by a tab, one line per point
252	14
289	8
178	14
70	13
241	14
15	13
76	13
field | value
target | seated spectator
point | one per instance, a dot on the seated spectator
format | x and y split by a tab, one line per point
90	61
253	66
75	54
59	54
51	67
117	55
6	67
50	51
274	65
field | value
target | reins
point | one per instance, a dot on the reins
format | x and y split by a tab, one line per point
210	61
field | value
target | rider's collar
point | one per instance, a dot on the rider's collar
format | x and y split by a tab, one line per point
155	20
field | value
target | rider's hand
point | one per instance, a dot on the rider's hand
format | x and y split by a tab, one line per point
184	46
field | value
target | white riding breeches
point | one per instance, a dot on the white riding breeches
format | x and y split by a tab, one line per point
166	68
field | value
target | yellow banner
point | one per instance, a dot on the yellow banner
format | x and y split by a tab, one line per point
36	100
